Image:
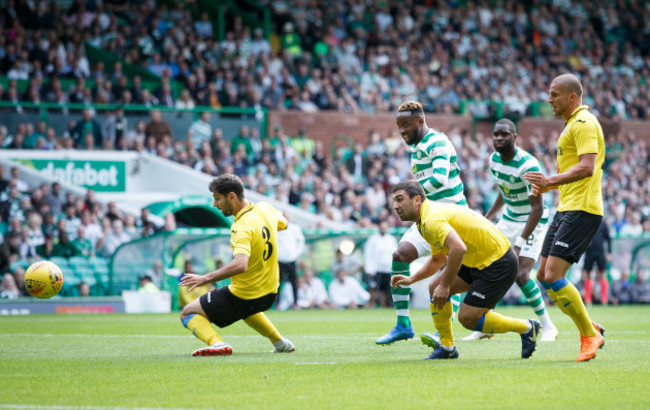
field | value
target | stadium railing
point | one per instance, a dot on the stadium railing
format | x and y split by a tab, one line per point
58	116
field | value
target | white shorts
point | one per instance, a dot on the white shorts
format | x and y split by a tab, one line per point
414	237
533	246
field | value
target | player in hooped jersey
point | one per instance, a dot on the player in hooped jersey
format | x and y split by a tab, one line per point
435	166
525	216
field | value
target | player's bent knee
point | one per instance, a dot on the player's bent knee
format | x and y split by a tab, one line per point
468	320
399	257
522	278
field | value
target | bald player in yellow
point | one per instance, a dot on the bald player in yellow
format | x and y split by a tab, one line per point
580	157
479	261
253	272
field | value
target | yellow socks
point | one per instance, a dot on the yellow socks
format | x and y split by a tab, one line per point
201	328
442	322
568	299
493	322
263	326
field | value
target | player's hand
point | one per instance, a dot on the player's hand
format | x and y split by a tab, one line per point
398	281
540	183
440	296
192	280
516	249
536	190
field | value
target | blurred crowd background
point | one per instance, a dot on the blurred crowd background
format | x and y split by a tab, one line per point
346	56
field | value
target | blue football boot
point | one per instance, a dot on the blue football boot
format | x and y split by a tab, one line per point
399	332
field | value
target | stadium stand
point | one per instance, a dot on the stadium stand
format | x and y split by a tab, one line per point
485	59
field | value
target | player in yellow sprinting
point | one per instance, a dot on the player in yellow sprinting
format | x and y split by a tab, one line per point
479	261
580	157
253	273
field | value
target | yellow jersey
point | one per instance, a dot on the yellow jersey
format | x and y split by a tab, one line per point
255	233
582	134
484	242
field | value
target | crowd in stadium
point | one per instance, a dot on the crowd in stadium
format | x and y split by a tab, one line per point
340	55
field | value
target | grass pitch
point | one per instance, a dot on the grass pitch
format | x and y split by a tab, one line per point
143	361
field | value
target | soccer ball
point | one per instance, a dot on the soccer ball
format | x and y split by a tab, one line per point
43	279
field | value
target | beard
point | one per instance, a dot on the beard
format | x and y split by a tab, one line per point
509	147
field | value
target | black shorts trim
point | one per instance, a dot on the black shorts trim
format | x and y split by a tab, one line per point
223	308
488	286
570	234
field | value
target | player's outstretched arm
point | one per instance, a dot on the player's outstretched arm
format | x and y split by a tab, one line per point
432	266
583	169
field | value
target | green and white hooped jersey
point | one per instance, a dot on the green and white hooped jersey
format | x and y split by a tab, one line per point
514	189
435	165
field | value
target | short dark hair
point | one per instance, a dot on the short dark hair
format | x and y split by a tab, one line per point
412	189
227	183
414	107
509	123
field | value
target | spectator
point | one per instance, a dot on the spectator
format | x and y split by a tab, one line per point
9	289
9	251
200	130
115	127
26	250
82	245
293	246
146	285
20	183
185	101
640	289
358	163
72	222
19	278
597	254
311	291
88	126
54	199
242	138
346	293
46	250
84	289
64	247
377	252
156	271
621	289
157	127
114	238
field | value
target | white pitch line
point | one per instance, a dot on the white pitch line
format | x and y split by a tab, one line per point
314	363
36	406
81	335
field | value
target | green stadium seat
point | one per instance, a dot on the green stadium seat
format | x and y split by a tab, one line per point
98	262
61	262
78	262
86	274
20	263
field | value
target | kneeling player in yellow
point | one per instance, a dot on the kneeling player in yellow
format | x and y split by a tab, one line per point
254	273
478	261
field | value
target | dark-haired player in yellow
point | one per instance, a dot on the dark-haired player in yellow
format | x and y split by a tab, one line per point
479	261
253	272
580	157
